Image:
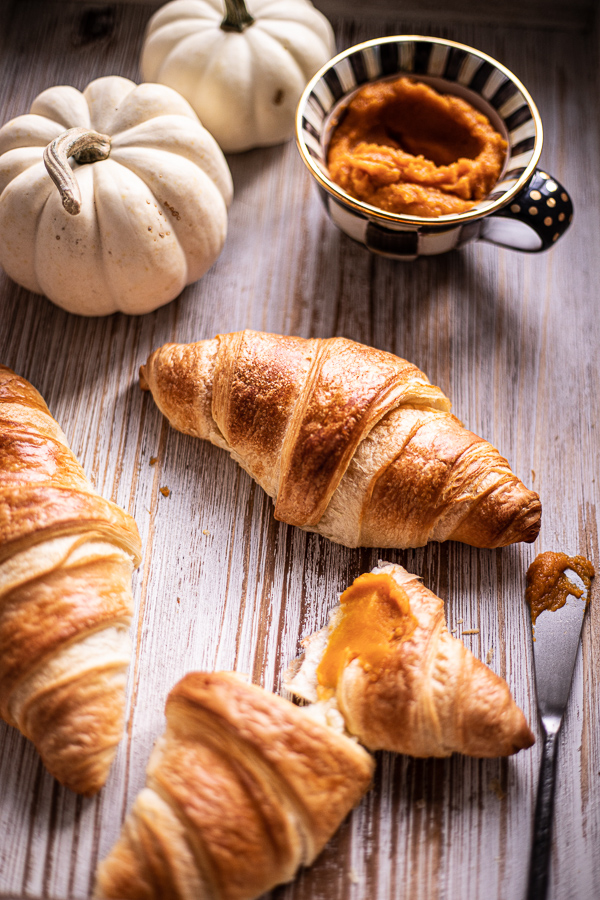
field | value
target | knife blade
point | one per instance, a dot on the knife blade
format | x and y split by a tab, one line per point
556	637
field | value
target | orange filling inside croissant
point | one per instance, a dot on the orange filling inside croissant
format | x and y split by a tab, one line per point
375	615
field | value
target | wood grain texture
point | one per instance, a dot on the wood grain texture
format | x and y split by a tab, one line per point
512	340
569	14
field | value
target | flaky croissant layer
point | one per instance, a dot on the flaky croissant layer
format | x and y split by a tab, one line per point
401	681
351	442
241	790
66	559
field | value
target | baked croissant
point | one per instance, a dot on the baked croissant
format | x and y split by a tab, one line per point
66	558
242	789
387	663
353	443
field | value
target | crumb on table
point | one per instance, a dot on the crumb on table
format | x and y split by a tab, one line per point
496	787
165	491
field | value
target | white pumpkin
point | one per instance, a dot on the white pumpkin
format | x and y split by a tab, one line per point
243	72
133	215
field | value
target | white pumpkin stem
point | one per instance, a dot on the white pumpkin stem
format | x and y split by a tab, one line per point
237	17
86	146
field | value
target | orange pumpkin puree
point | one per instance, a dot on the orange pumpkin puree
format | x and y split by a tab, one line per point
375	616
407	149
547	585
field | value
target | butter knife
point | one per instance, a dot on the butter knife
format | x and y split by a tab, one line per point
556	641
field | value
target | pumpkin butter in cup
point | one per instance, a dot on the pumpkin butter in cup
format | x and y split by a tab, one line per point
404	148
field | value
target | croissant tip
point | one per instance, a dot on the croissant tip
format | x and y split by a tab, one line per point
525	526
523	740
86	783
143	383
531	520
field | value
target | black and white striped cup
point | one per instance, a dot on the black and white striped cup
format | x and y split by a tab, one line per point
527	209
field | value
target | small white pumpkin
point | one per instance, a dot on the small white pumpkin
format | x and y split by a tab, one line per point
244	72
137	211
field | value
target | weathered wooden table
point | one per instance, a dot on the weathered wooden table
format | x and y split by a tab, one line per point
511	338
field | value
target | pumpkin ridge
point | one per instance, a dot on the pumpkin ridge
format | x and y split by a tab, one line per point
22	136
39	218
180	279
6	197
189	46
197	156
98	234
100	118
67	105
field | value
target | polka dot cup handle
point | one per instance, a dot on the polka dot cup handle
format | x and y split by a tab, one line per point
534	220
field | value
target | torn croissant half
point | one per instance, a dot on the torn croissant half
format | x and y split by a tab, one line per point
352	442
241	790
388	667
66	559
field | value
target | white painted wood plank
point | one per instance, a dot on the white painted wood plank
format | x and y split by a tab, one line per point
511	338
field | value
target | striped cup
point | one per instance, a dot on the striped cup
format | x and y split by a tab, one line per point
527	209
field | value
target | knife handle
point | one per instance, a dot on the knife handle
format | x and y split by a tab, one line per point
539	863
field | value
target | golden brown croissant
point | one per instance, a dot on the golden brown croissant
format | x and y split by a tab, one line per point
353	443
401	682
242	789
66	558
